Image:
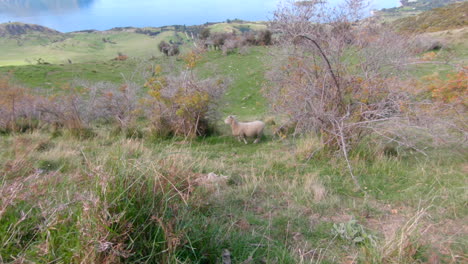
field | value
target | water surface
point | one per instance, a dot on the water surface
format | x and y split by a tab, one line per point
73	15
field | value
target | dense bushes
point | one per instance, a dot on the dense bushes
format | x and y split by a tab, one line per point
228	42
168	49
176	104
339	81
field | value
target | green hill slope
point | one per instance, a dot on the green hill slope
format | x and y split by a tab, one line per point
412	7
59	48
22	44
16	29
443	18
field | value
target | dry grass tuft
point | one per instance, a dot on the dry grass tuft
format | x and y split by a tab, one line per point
308	146
402	246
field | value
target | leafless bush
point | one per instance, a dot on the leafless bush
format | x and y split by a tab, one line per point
85	102
114	103
230	45
338	78
265	38
218	39
71	110
205	33
424	43
228	42
249	38
168	49
18	108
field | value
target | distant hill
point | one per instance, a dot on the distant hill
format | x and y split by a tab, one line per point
26	43
412	7
237	27
16	29
425	5
444	18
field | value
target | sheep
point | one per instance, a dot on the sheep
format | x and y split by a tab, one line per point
247	129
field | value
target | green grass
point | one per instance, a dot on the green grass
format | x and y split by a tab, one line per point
244	97
245	71
449	17
266	210
82	47
117	198
412	8
236	27
56	76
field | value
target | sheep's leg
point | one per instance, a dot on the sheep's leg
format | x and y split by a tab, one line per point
257	140
243	138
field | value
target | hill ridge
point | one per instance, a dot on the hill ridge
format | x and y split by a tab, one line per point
13	29
452	16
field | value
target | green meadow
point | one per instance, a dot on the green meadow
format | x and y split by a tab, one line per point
114	196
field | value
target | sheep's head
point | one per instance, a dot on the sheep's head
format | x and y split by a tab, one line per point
229	119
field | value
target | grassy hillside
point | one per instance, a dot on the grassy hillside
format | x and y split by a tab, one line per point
236	27
82	47
411	8
113	195
443	18
24	43
274	206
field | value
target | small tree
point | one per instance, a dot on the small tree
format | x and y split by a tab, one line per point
168	49
164	47
318	87
264	37
205	33
174	50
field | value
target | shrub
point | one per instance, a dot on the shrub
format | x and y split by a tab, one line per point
205	33
424	43
162	46
84	103
71	110
335	79
264	38
453	90
168	49
183	104
353	232
18	108
219	39
114	103
121	57
174	50
230	45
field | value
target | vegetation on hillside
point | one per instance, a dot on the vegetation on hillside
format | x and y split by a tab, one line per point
128	160
26	43
413	7
17	29
443	18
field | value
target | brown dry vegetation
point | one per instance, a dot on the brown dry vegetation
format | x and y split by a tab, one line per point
91	174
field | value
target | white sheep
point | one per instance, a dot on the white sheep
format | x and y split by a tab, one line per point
242	130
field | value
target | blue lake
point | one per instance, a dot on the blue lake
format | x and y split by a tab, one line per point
73	15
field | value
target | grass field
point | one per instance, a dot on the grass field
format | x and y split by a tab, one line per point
82	47
116	197
236	27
